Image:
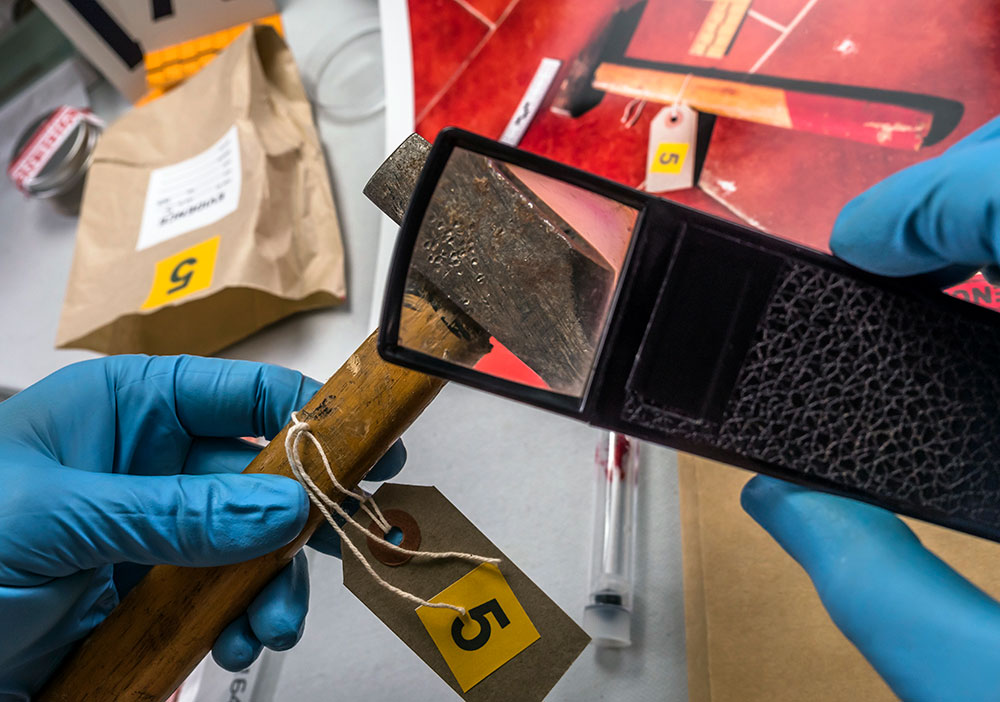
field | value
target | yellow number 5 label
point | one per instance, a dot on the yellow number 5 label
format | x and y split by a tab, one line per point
497	627
183	273
669	158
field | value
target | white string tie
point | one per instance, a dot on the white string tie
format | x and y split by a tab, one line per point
293	438
630	115
675	108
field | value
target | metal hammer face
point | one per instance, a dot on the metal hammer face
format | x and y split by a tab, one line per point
517	252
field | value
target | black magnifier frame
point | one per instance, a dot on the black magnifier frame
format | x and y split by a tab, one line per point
731	344
389	348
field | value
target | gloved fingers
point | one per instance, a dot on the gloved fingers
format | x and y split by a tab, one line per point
127	575
992	273
922	625
83	520
217	455
938	212
275	619
209	455
387	467
48	417
949	276
278	614
237	646
822	532
208	396
326	540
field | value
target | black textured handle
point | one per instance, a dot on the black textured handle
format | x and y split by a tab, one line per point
842	381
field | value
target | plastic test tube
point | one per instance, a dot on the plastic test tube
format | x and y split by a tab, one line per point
608	614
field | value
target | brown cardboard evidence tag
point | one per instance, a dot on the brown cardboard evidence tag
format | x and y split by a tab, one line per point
510	655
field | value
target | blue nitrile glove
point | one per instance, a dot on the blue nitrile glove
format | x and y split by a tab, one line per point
112	465
928	632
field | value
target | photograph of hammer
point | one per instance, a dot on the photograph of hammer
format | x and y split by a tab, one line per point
889	118
161	630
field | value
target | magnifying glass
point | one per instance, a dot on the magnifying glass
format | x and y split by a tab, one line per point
645	317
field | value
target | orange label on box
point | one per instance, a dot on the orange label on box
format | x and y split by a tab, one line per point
182	274
170	66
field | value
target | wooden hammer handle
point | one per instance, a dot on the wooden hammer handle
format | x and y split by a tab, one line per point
161	630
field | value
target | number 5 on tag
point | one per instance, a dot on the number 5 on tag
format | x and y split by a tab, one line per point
183	273
496	629
513	643
673	135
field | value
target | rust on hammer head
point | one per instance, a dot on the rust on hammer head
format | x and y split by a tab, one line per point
500	254
391	186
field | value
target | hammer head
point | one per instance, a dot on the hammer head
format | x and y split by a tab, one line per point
576	93
530	259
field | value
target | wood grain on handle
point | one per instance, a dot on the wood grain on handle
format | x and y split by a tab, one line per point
858	116
169	621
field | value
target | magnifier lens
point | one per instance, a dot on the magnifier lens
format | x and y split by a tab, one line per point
533	260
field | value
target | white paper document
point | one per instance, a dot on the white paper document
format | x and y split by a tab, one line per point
192	194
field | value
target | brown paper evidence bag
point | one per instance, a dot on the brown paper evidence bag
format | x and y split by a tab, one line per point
755	627
207	214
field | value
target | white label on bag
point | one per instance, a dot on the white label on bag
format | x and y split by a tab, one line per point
672	139
192	194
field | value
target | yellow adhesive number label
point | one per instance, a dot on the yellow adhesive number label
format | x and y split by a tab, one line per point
669	158
496	629
183	273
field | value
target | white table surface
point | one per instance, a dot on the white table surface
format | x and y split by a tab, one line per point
482	452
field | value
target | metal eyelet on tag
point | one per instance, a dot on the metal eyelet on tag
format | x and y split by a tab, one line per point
673	135
411	537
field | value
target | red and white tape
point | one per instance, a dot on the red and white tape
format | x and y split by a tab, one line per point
44	143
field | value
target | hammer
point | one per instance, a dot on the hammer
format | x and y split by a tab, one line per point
162	628
889	118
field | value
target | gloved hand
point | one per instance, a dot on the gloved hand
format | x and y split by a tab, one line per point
110	466
928	632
